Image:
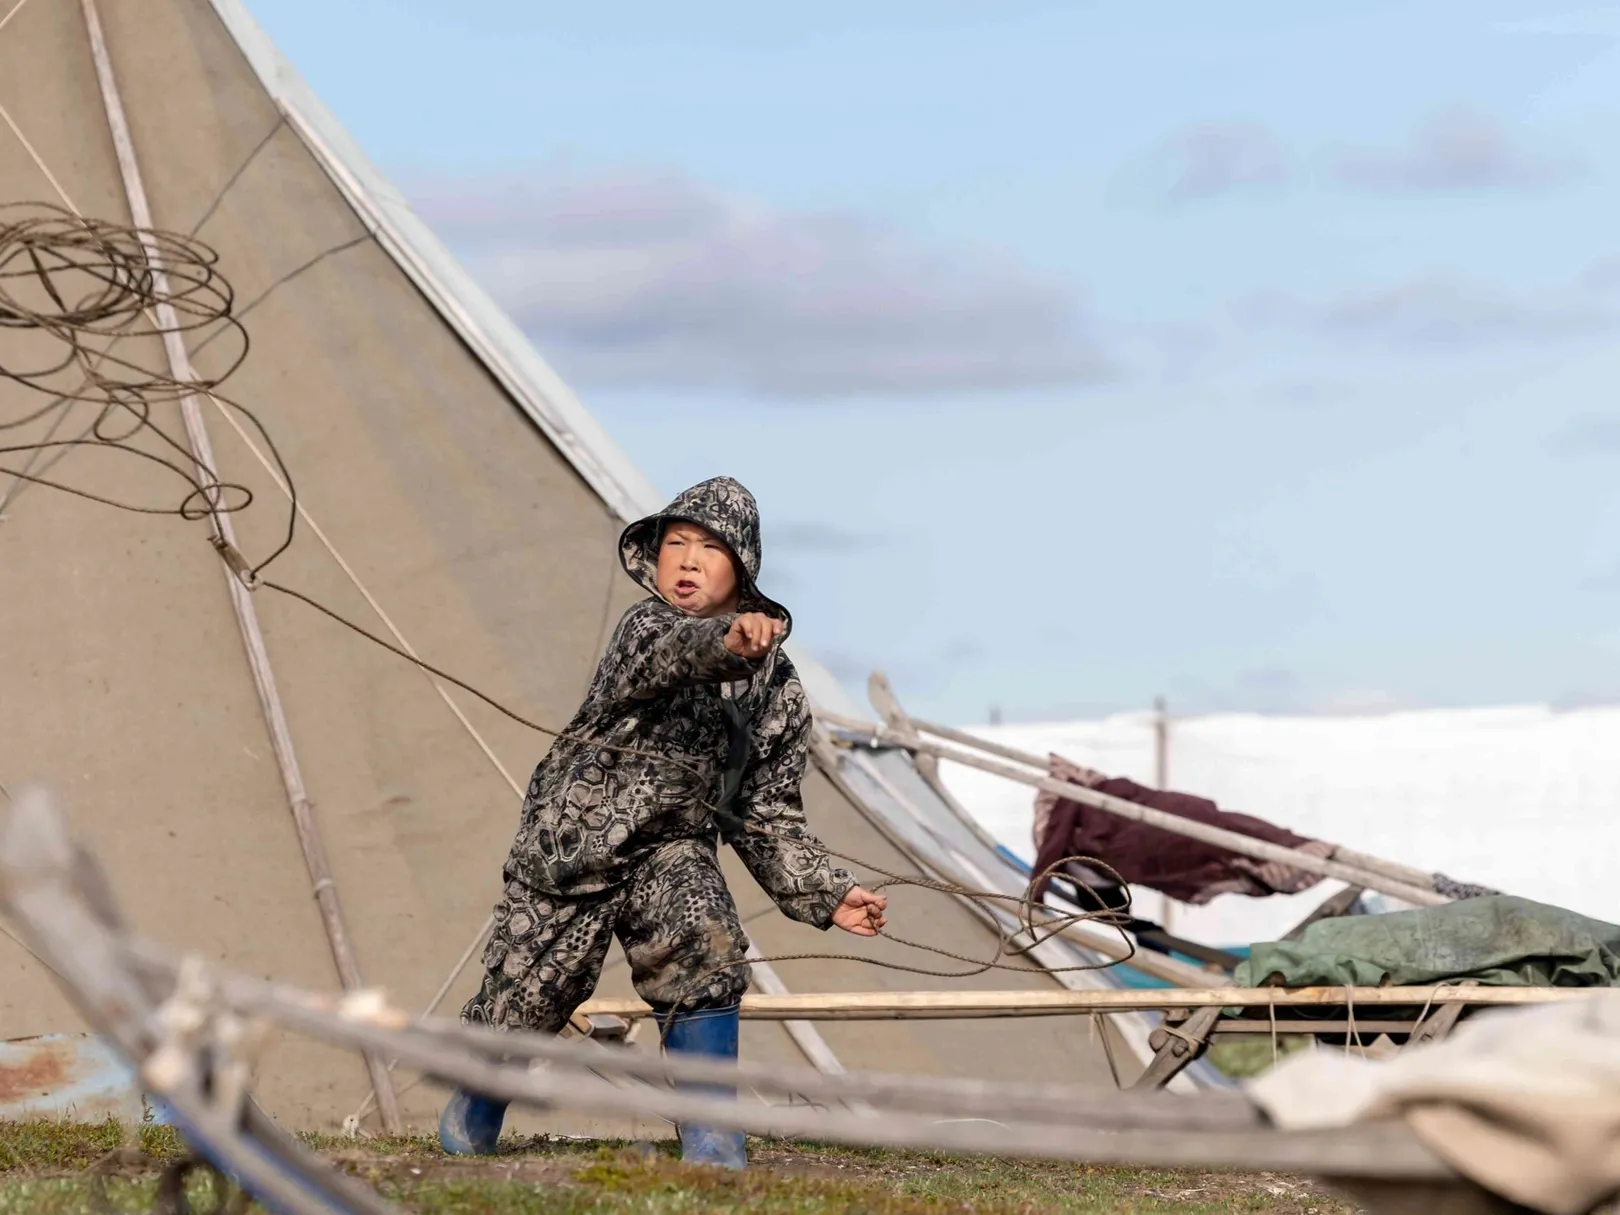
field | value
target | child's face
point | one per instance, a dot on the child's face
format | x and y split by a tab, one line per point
695	573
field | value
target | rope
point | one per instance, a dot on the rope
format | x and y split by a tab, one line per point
90	284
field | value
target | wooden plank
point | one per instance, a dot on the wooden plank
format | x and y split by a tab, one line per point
886	1005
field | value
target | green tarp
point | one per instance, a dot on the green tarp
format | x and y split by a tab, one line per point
1497	940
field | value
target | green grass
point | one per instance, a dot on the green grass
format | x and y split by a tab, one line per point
75	1169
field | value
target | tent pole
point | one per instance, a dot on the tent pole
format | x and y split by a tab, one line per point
247	619
1403	874
1232	841
1361	860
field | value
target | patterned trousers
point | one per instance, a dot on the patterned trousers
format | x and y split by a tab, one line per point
674	917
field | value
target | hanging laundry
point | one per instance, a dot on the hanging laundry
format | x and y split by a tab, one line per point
1181	868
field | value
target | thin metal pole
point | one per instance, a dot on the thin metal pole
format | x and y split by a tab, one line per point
247	619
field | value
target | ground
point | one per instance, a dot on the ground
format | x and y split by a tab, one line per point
75	1169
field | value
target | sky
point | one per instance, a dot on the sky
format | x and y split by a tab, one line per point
1261	356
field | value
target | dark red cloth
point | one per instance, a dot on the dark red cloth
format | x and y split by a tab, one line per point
1185	869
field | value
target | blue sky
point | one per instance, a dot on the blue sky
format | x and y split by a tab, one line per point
1260	355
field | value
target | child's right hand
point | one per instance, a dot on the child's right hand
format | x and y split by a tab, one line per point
861	912
752	634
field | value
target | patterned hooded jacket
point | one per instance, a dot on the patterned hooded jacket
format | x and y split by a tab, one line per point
709	729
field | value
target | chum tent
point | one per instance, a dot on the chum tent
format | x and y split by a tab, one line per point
457	499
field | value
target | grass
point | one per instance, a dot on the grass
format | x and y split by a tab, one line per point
50	1168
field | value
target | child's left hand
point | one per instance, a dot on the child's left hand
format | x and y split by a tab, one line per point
861	912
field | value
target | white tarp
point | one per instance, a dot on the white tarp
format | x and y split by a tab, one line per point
1526	1102
1523	798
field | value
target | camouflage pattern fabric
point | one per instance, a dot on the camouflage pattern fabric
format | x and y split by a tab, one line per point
644	765
675	919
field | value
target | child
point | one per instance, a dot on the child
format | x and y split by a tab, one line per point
694	708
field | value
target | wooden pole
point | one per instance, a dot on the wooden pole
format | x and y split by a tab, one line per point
907	1005
247	619
1161	779
1232	841
1398	881
1359	860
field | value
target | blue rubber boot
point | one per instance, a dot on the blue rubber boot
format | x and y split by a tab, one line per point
471	1124
713	1032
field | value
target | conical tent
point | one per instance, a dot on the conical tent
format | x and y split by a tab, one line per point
456	499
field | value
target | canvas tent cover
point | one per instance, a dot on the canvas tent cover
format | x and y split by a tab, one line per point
457	498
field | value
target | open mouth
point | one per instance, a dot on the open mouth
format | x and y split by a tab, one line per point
686	587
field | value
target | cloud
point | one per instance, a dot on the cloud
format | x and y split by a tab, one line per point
1596	434
639	278
1455	150
1211	159
1434	311
1443	311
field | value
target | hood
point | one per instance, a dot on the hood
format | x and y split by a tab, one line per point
727	509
